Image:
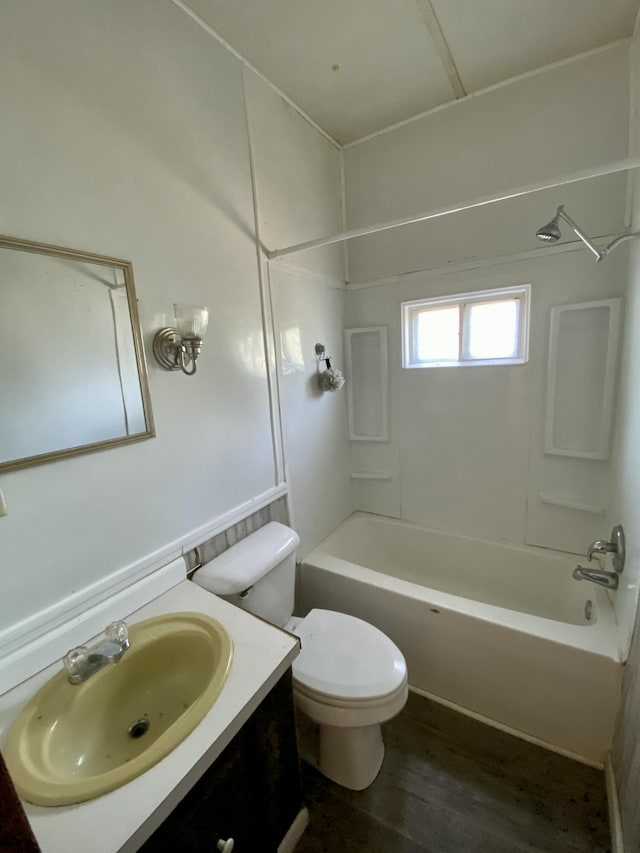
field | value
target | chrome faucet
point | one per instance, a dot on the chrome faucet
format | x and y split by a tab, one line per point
82	662
600	546
602	578
615	547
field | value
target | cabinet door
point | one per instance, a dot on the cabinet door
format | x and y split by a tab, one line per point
225	803
275	758
251	793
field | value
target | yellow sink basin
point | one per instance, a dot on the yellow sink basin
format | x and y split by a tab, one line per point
74	742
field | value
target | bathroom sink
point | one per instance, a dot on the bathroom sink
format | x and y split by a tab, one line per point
72	743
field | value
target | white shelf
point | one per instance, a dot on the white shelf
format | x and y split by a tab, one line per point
570	503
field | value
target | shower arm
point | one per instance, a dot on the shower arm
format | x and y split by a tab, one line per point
614	243
599	253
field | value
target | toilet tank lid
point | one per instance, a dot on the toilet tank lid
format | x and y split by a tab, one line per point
242	565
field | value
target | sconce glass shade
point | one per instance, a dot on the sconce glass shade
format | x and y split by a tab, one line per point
191	320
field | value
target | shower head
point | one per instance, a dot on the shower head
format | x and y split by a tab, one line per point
550	233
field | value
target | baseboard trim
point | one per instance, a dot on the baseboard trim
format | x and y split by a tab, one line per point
295	832
615	821
488	721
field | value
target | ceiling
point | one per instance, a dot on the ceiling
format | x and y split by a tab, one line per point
357	66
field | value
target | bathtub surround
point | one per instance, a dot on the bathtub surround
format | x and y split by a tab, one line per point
466	444
453	430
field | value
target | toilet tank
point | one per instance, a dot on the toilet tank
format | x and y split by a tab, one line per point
258	574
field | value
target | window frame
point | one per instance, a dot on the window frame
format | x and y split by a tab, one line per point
412	309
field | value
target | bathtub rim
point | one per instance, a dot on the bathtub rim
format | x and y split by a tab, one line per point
599	638
419	525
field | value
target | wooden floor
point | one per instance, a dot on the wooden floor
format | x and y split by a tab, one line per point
452	785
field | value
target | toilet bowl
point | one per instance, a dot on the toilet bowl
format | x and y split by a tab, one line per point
349	677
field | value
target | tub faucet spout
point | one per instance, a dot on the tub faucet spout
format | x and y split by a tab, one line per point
602	578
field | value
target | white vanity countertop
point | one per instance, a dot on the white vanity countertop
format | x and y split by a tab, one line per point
123	819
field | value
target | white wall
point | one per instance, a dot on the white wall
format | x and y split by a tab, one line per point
124	133
298	177
561	120
299	196
309	311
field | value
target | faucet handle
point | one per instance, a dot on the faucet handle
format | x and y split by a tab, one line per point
600	546
75	661
616	547
118	633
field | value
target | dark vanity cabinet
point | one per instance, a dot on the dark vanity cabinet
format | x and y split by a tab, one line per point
251	793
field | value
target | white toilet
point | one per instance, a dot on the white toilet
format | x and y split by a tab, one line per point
349	676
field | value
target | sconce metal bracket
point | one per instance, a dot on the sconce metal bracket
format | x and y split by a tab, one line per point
165	348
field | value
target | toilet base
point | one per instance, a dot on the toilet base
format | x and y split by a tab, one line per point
350	756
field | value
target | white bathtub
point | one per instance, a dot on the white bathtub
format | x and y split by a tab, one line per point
500	631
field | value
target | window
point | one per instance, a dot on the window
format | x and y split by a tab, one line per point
485	327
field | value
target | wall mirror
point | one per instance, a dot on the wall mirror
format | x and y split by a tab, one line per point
73	376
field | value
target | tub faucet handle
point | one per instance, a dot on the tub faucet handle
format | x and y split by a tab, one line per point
600	546
615	547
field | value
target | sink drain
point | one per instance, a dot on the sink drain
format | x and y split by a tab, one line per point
138	728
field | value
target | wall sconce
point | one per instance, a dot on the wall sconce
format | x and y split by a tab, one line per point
175	348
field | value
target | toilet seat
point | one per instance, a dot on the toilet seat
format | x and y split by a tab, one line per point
340	702
338	713
347	662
